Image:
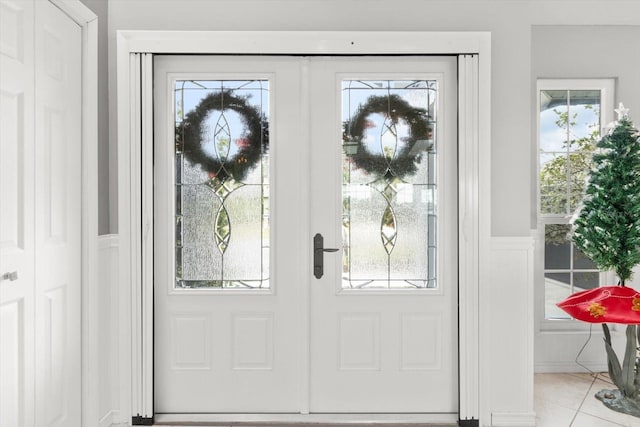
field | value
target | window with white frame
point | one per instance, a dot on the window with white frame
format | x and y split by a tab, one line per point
571	114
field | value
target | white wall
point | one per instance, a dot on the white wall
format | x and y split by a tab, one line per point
510	22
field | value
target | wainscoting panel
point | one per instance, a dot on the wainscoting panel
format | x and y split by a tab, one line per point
108	327
509	346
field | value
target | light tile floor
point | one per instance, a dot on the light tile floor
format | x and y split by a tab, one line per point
568	400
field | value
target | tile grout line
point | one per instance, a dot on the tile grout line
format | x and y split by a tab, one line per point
589	393
594	377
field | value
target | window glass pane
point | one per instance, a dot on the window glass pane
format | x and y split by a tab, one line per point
556	288
584	122
557	249
584	117
554	189
562	280
579	166
585	280
554	136
389	184
580	260
222	184
554	110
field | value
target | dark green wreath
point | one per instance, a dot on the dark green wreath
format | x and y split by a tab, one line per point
189	137
404	162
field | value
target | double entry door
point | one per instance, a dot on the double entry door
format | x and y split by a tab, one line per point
305	235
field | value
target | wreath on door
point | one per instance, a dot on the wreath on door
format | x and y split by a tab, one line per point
190	138
395	109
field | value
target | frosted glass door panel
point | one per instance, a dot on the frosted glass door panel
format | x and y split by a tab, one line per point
389	184
222	184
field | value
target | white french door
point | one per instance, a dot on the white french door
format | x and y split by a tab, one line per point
254	157
383	317
228	253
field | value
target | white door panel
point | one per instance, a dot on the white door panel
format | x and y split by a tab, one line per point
58	217
40	215
307	344
230	348
377	349
16	214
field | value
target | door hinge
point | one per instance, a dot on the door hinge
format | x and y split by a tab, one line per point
141	421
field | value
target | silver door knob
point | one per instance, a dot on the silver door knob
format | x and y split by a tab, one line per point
10	276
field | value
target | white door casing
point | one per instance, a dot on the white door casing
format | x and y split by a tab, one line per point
474	174
204	339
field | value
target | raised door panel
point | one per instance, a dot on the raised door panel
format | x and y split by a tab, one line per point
12	224
15	23
12	368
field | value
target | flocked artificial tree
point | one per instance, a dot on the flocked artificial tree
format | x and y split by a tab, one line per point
607	230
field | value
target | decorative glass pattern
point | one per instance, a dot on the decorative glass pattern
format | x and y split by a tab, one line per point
389	188
222	184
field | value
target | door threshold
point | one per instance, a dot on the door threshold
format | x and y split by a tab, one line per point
333	420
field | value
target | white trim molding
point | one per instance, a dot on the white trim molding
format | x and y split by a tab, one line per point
474	53
109	331
513	419
468	236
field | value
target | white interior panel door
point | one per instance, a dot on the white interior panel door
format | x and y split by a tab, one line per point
16	214
58	217
384	184
253	158
40	215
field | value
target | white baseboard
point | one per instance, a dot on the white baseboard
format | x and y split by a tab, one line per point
568	367
110	419
513	419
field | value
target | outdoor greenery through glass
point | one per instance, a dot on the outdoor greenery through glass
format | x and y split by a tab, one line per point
569	130
389	184
222	184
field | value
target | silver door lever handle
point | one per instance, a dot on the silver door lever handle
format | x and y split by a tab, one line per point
10	276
